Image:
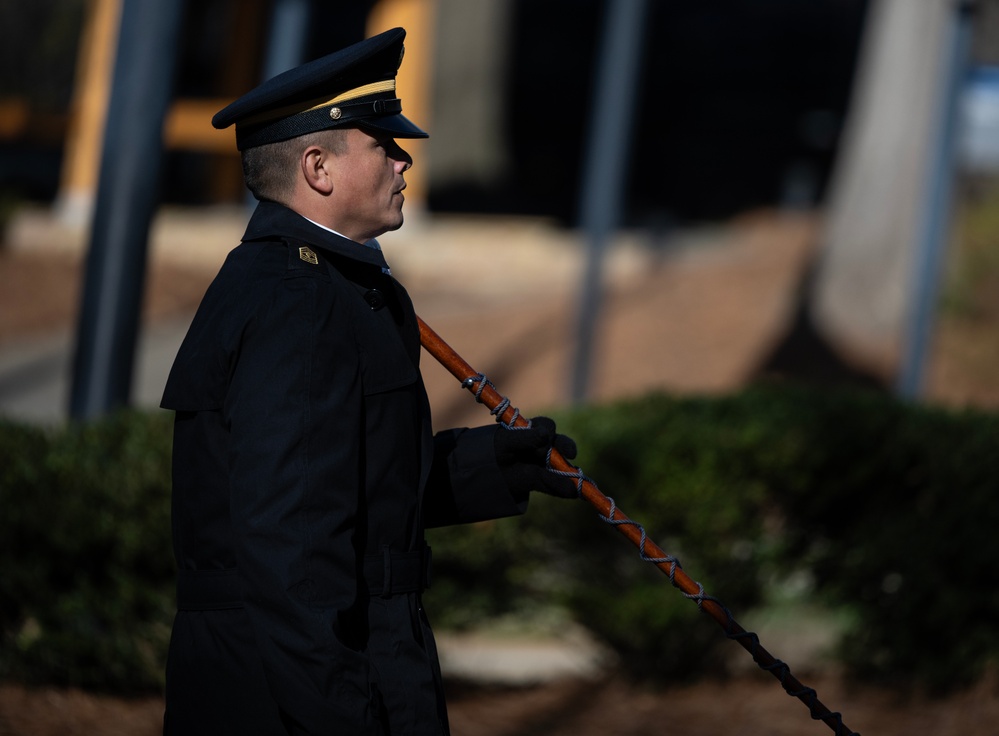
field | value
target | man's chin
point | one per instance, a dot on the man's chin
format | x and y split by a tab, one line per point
387	228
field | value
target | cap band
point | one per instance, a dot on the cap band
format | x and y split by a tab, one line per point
315	119
387	85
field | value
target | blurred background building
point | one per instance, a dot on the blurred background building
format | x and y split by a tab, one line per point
740	104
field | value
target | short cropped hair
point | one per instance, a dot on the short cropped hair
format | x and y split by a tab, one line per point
270	170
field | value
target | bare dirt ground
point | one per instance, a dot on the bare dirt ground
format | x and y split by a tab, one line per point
702	320
748	706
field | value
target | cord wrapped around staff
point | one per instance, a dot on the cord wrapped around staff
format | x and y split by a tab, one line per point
649	551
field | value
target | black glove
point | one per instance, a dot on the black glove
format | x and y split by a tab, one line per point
522	455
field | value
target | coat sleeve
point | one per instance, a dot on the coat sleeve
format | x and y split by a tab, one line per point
465	483
293	412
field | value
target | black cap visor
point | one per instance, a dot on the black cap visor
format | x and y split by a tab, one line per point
398	126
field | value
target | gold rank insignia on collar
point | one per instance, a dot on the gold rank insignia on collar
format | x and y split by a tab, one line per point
308	255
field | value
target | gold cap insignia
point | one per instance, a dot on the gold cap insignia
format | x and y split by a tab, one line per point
308	255
335	113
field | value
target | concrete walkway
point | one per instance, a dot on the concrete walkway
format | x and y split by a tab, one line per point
36	373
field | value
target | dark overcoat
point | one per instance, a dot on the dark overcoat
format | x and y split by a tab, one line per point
304	474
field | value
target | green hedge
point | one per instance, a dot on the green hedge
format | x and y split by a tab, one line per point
86	571
887	509
893	509
667	464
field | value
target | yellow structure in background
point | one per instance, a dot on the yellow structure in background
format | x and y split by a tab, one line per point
88	111
188	123
414	79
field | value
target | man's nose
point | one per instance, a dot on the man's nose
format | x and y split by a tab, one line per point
402	157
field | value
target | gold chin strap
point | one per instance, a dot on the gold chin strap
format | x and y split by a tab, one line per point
374	88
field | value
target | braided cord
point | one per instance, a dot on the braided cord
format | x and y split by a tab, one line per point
670	565
498	410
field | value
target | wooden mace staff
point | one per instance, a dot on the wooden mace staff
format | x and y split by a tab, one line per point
502	409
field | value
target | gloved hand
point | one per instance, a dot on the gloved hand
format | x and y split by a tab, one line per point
522	455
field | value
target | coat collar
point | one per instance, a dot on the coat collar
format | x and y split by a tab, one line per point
271	220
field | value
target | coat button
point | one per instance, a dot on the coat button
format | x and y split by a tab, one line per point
375	299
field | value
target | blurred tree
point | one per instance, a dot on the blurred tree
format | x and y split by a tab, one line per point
877	199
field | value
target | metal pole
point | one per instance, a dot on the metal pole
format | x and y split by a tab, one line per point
288	29
126	200
289	26
931	244
606	159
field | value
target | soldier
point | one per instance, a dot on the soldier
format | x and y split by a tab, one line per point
305	470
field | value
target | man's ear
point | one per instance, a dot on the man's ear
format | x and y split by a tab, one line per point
315	163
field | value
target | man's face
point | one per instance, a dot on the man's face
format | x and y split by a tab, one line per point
367	185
